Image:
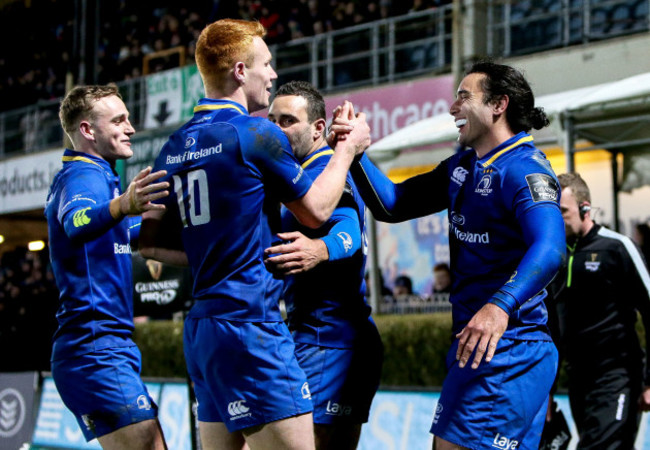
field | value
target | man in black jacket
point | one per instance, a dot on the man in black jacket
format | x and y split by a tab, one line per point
598	293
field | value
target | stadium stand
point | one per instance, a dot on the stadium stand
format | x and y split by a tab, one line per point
126	33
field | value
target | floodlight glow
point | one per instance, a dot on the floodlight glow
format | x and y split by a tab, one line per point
36	246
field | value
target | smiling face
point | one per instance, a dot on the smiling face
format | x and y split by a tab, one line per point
289	112
259	77
109	129
473	117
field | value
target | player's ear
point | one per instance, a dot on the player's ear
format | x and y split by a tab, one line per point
320	128
500	104
239	72
86	130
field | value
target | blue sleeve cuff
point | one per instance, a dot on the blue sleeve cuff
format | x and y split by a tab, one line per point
104	215
344	237
339	246
504	301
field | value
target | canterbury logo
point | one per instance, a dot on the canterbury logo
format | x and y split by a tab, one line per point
80	218
237	407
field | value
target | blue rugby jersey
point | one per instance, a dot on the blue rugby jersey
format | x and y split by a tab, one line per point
91	258
505	227
326	306
228	172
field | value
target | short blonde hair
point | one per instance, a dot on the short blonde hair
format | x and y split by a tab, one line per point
79	104
223	43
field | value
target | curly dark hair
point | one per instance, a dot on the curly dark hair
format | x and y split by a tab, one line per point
500	80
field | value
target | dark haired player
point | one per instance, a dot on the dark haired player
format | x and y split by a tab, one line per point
506	239
337	342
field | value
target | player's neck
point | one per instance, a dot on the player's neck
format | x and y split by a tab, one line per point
495	137
241	99
318	144
233	95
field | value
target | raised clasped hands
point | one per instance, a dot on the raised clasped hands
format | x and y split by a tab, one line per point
349	130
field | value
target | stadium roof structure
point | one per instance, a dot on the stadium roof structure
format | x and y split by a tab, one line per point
614	116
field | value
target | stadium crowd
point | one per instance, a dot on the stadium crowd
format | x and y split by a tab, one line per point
28	302
35	69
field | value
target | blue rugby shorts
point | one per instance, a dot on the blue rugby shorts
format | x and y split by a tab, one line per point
501	404
343	381
244	373
104	390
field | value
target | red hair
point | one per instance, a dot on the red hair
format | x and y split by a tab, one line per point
222	44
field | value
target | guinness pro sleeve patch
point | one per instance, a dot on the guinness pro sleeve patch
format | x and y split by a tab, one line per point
543	187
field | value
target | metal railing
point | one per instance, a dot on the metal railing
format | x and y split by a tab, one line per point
370	54
524	27
414	304
380	52
363	55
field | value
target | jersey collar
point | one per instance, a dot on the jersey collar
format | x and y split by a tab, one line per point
505	147
212	104
72	155
323	151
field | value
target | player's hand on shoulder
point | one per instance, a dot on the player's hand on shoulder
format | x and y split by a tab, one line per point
142	191
295	254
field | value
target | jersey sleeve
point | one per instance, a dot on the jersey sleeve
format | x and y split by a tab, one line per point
84	205
543	231
266	147
344	237
390	202
532	182
535	198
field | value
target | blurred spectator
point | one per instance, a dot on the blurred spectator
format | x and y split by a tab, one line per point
441	278
642	238
372	12
441	284
275	30
299	21
421	5
36	69
28	303
403	286
385	292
